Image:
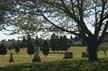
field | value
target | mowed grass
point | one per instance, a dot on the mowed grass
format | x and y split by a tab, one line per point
62	65
24	58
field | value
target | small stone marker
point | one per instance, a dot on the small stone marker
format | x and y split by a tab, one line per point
68	55
36	57
84	54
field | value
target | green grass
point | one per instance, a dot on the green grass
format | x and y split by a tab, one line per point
63	65
24	58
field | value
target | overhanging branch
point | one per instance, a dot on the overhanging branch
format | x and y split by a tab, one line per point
104	33
62	29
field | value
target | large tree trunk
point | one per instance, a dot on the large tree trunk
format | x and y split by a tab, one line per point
92	50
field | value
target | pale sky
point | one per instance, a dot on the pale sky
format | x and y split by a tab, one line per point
6	37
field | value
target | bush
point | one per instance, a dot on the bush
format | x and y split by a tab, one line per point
45	48
3	50
17	49
30	45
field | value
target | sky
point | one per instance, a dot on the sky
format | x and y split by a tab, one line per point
4	36
7	37
16	36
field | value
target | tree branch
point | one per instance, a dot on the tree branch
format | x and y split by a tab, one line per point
104	33
62	29
82	25
99	24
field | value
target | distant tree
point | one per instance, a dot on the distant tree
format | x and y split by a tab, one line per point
38	42
77	38
23	43
9	47
17	48
64	43
61	43
30	45
3	50
79	41
71	41
53	42
45	48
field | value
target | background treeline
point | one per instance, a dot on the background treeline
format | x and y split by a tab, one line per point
55	43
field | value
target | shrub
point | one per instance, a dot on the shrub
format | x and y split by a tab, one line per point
3	50
45	48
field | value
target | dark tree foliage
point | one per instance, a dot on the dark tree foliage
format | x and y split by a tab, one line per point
24	43
17	48
11	46
64	41
53	42
77	38
19	43
3	50
38	42
30	45
59	43
45	48
71	40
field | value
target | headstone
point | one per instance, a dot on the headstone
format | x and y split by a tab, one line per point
84	54
68	55
36	57
11	60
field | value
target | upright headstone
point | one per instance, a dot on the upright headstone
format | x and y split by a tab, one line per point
84	54
11	58
36	57
68	55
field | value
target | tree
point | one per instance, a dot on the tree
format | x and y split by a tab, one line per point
54	42
72	16
5	5
65	43
3	50
78	11
38	41
45	48
17	48
24	42
71	41
30	45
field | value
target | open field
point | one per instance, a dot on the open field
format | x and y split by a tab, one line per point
23	57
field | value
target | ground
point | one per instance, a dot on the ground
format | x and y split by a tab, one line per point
23	57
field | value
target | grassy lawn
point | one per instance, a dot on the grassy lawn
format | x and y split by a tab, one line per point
23	57
62	65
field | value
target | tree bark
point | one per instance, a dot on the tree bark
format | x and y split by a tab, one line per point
92	50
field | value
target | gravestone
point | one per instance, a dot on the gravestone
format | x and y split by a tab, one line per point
84	54
36	57
68	55
11	60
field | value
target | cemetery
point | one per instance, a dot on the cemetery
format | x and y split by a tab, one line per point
53	35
